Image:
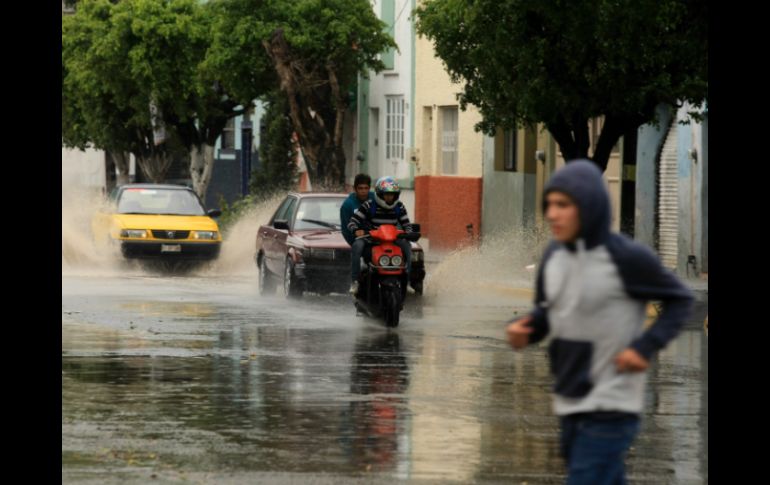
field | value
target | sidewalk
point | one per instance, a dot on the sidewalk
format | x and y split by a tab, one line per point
698	286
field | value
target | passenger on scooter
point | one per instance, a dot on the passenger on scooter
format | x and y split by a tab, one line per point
361	185
386	209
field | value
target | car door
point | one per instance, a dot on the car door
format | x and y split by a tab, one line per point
268	235
282	235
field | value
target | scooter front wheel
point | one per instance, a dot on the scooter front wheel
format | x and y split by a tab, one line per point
392	306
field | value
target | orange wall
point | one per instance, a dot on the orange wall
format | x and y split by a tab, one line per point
444	206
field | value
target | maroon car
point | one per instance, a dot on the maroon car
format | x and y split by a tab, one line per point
302	248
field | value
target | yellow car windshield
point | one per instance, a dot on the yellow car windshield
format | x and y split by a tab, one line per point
159	201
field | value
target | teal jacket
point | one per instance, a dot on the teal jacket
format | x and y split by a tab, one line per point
347	209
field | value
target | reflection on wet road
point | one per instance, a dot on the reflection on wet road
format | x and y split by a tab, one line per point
198	379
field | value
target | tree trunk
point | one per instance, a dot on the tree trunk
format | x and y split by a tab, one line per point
122	162
559	133
155	166
615	126
337	175
309	98
573	138
612	130
278	51
582	136
563	134
201	168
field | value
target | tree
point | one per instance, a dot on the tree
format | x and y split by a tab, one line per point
125	60
564	62
315	49
278	168
101	106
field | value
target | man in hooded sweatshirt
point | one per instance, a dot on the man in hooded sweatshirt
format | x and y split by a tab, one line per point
591	294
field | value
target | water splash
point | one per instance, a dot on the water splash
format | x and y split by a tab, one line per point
83	255
80	251
497	266
237	255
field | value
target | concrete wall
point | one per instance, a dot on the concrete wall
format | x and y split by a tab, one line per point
392	82
445	207
445	203
508	197
434	89
82	170
704	257
692	187
691	184
649	144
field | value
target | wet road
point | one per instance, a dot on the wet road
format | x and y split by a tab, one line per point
196	379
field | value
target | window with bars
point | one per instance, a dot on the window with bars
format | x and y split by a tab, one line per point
394	128
449	140
228	135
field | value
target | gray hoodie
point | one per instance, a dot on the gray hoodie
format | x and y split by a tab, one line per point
591	298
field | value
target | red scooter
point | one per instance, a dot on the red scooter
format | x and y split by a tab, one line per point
382	284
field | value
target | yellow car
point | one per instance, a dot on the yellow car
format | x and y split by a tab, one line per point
152	221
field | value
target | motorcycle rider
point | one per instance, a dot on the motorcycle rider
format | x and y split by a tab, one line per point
385	209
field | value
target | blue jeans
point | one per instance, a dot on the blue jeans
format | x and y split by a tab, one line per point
594	446
360	245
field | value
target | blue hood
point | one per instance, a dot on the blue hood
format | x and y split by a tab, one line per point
582	180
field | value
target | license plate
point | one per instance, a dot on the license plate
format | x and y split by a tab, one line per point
170	248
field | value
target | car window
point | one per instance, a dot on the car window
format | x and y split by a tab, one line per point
280	213
159	201
318	213
291	210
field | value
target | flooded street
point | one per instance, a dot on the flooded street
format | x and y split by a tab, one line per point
192	377
196	379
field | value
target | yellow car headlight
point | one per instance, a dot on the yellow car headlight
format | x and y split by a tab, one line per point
207	235
134	233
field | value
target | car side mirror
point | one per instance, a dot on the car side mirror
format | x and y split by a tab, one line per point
214	213
281	224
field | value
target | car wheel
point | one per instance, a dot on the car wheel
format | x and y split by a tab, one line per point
291	284
266	282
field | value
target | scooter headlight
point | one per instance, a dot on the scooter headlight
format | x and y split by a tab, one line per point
396	260
384	261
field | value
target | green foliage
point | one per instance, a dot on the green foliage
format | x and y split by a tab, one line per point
119	57
561	62
197	62
326	38
530	62
233	213
278	169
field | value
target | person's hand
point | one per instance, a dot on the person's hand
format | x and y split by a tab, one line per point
630	360
360	233
518	332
